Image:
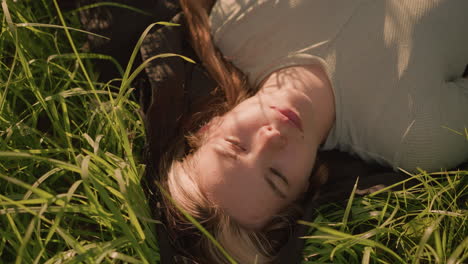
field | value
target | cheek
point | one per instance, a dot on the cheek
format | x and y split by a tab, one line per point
301	163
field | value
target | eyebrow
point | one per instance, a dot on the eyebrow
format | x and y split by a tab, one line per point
274	187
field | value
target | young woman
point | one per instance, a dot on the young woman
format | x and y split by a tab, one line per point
379	79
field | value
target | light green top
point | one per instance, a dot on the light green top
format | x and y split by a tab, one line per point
395	68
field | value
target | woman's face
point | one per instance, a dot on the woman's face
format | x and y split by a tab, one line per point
256	159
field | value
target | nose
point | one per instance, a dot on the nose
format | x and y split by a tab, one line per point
271	138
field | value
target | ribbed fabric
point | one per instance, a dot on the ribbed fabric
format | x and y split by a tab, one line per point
394	65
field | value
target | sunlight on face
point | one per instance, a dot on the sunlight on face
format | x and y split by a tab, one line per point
255	161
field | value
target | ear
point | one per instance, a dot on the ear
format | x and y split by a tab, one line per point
203	129
208	126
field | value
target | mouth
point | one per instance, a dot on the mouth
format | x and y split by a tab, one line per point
291	116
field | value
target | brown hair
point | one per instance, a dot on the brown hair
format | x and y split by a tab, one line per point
230	79
245	246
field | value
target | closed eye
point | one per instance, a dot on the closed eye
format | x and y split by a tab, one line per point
279	175
236	143
275	188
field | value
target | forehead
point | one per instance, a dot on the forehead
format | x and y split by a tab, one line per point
236	187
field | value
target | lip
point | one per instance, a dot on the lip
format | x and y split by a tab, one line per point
291	116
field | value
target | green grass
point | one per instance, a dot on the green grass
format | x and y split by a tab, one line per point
70	168
426	223
69	172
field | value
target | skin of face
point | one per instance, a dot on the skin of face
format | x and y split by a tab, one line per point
256	160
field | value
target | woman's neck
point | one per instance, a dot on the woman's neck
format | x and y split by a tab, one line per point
308	90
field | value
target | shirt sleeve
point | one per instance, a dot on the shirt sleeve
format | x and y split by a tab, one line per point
440	141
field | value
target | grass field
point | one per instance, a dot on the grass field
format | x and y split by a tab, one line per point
70	168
